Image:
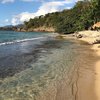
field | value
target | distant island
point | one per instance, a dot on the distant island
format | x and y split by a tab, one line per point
11	27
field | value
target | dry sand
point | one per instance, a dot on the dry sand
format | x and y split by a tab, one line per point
88	83
86	79
91	37
92	79
96	47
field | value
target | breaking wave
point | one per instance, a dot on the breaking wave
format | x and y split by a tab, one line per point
19	41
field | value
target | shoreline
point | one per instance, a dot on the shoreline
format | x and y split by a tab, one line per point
81	82
51	86
92	88
57	83
93	39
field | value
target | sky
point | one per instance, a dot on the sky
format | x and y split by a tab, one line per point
13	12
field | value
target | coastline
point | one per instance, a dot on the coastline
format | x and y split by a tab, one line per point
59	82
52	79
93	38
80	83
89	77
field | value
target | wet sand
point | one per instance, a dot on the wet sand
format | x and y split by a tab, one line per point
79	83
66	73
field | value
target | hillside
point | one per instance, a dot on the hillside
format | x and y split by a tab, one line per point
81	17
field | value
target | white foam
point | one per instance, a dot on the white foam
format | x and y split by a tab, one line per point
18	41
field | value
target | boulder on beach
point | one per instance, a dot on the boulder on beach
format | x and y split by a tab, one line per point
92	37
79	36
96	26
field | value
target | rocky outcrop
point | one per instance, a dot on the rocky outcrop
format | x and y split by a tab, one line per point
96	26
44	29
79	36
39	29
92	37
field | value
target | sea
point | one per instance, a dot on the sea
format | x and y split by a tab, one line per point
10	37
38	66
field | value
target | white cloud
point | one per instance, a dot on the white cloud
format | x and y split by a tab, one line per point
6	1
20	18
49	7
46	7
6	20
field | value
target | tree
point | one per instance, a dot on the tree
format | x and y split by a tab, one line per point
95	10
80	17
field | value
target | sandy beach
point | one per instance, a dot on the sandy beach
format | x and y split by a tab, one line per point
85	83
88	81
96	47
89	75
93	37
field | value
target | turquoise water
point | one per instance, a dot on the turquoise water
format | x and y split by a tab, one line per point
8	37
18	50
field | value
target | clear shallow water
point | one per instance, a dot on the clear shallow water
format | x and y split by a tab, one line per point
55	58
28	69
17	50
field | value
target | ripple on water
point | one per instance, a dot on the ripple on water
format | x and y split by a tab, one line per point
48	71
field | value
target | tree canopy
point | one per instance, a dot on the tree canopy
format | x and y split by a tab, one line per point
80	17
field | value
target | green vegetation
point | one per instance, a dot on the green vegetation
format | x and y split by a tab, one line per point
95	10
80	17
